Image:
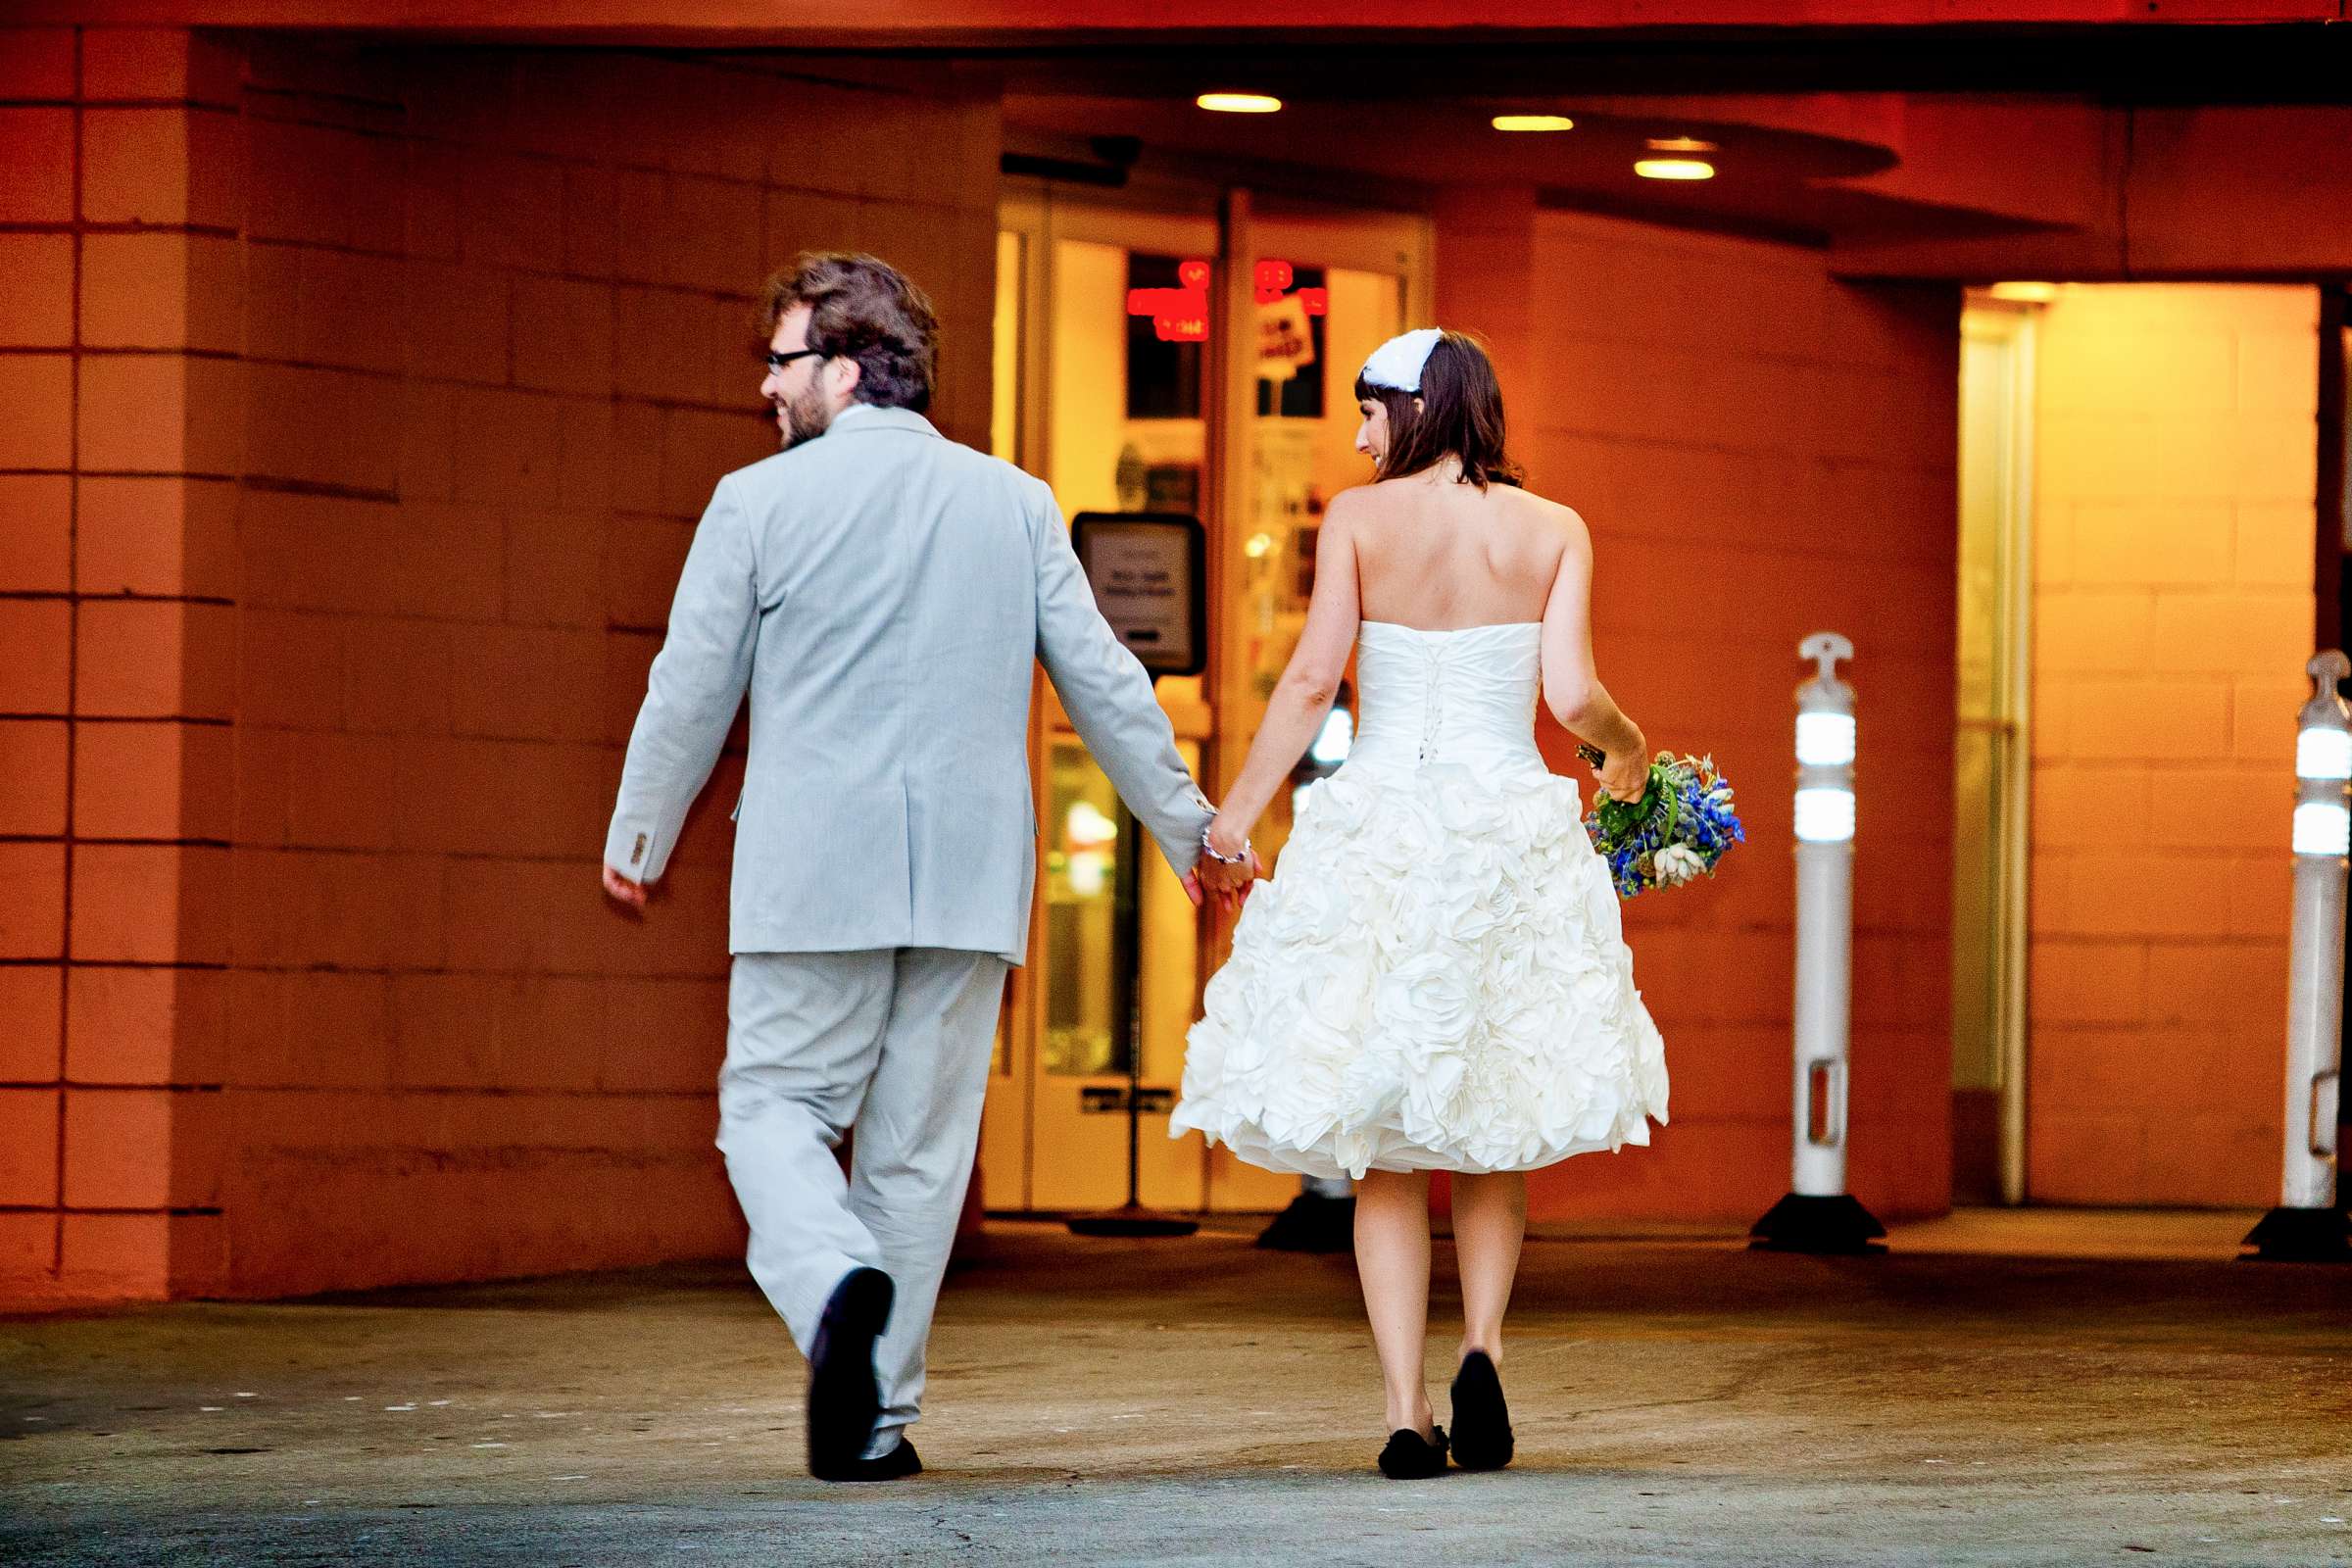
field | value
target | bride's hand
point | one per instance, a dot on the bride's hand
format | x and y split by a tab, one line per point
1624	776
1221	880
1227	882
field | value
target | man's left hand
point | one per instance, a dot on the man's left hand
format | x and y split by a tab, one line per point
624	891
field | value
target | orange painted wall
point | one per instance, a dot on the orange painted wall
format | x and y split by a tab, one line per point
1761	452
368	402
2172	615
116	689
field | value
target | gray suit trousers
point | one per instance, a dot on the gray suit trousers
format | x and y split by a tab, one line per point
895	1040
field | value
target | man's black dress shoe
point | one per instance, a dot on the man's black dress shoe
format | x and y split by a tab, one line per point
898	1462
844	1396
1409	1458
1482	1422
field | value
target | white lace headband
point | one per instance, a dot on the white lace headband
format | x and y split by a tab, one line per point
1396	364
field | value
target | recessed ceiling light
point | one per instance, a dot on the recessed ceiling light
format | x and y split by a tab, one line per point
1534	123
1680	144
1674	169
1238	103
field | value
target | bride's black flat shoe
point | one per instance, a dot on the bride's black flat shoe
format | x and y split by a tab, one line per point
1409	1458
1482	1422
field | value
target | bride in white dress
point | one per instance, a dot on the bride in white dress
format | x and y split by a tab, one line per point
1436	978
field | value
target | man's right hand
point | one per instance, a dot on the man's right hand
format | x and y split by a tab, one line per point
624	891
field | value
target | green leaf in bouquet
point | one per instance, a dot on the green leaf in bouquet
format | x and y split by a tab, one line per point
1620	820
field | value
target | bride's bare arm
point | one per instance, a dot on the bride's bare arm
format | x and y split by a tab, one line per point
1309	683
1572	687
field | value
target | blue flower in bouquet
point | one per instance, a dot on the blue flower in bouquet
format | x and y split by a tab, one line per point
1677	829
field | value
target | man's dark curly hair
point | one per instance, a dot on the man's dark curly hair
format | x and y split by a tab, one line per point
864	309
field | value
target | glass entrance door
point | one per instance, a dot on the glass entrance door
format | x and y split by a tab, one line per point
1101	391
1117	330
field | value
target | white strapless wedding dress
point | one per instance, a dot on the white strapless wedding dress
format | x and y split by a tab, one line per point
1436	977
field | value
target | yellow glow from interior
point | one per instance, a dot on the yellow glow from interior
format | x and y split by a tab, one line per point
1674	169
2027	293
1680	144
1085	826
1238	103
1534	123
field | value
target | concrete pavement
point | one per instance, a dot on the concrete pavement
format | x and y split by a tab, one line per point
1678	1399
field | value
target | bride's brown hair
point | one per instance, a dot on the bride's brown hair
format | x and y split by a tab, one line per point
1460	416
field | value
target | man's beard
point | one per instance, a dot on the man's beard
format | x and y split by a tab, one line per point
805	418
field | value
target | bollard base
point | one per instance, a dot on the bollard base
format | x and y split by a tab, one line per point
1312	1224
2300	1236
1801	1224
1131	1220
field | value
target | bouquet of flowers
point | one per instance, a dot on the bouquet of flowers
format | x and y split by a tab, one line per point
1680	827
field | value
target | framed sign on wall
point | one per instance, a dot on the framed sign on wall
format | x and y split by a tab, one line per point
1149	573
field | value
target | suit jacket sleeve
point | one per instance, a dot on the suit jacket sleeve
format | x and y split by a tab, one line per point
1108	695
692	694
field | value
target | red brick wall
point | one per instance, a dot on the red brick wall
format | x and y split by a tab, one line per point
1761	452
2172	618
366	404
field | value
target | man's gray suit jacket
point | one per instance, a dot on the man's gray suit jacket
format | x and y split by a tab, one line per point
881	591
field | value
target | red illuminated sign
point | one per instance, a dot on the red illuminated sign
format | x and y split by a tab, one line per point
1181	314
1178	314
1167	301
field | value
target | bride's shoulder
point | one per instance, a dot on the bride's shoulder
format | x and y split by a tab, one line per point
1351	505
1552	518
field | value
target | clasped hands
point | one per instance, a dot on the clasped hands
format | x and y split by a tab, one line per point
1228	882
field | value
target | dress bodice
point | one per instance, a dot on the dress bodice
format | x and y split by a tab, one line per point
1465	697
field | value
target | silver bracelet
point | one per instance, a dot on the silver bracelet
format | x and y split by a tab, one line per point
1243	859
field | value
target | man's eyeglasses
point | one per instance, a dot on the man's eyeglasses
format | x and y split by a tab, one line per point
777	362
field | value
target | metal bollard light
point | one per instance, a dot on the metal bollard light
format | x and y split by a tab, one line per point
2307	1227
1818	1214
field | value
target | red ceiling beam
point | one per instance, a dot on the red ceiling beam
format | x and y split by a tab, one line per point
908	22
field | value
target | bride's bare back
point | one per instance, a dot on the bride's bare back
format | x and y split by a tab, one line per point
1429	552
1438	555
1426	550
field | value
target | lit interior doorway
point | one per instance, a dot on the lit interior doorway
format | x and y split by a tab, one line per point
2139	592
1239	410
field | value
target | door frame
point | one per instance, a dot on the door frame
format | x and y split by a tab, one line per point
2009	328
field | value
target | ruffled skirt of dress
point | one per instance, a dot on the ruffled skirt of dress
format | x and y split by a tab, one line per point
1437	980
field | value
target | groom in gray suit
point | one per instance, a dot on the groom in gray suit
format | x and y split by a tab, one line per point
881	593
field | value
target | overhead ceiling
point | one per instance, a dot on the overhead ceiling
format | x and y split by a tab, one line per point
1814	130
1771	180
